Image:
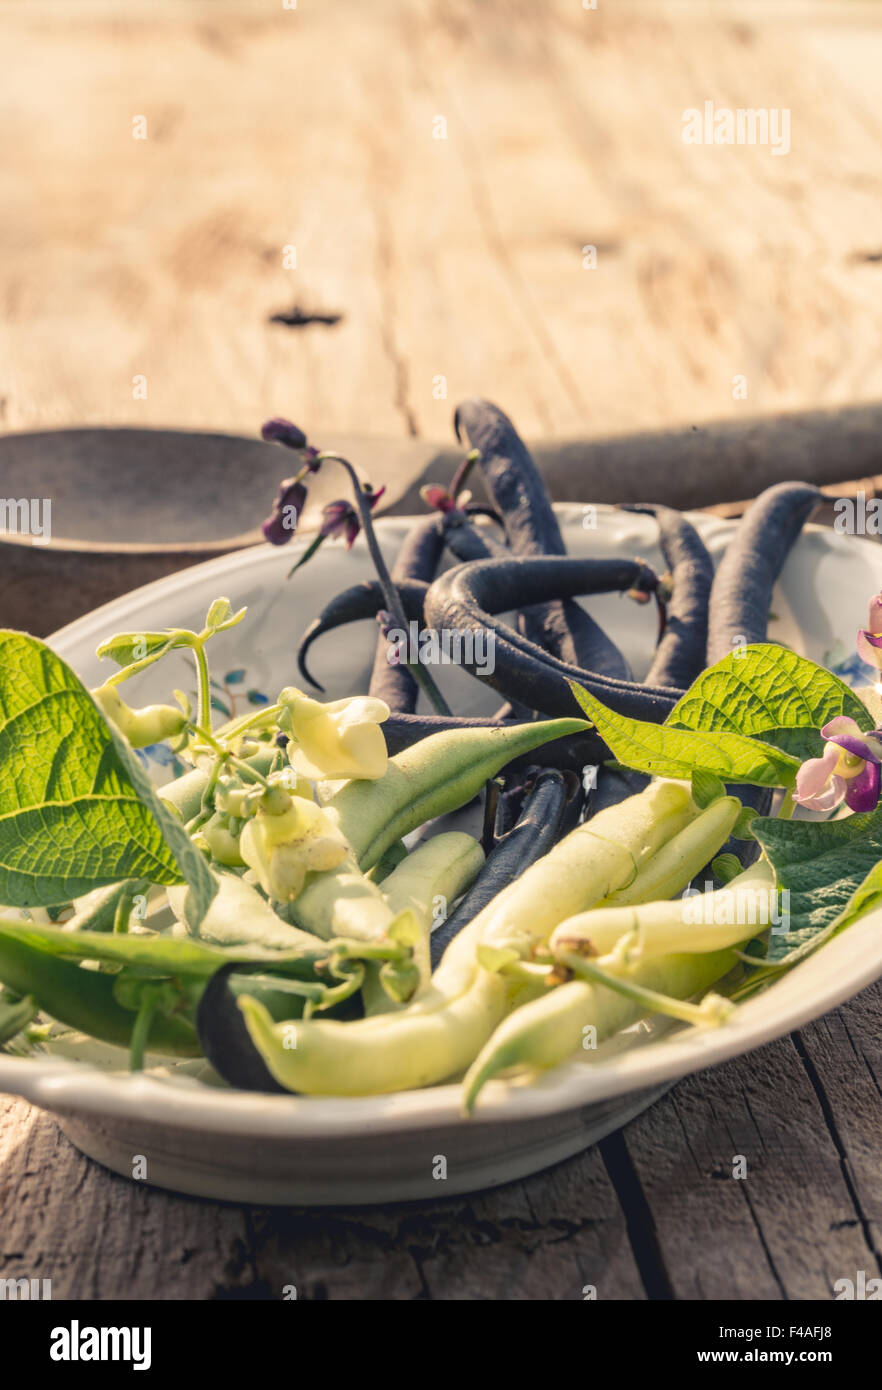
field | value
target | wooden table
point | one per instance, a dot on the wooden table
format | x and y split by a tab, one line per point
457	265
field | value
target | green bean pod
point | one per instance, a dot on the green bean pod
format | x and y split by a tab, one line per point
440	869
439	1033
684	855
84	999
239	916
439	774
700	922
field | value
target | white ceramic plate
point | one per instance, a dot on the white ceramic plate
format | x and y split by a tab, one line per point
200	1137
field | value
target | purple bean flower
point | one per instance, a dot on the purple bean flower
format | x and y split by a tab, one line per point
281	431
281	524
849	770
869	639
341	519
436	496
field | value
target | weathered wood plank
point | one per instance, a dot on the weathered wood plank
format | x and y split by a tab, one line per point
791	1226
842	1054
97	1236
545	1238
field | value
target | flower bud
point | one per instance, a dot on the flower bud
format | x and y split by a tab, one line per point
152	724
282	522
282	431
222	844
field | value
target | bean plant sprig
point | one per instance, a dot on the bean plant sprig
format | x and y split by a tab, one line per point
339	519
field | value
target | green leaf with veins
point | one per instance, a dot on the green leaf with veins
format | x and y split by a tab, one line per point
706	788
767	691
669	752
220	616
77	809
831	869
121	647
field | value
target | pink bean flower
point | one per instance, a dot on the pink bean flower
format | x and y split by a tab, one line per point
849	770
869	639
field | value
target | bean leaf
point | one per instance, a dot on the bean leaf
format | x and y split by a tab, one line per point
220	616
766	690
125	648
830	869
77	811
706	788
664	751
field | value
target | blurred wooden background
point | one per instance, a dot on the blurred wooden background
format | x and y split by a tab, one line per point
456	264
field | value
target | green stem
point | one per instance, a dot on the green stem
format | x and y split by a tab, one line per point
788	805
267	715
141	1031
650	999
203	708
123	914
227	757
391	596
463	471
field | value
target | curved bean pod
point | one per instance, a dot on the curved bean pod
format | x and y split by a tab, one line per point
548	1030
469	542
437	775
418	559
84	999
741	593
680	655
571	754
562	628
359	601
465	598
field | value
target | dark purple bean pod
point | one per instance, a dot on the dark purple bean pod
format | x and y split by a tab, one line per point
741	593
421	550
465	598
564	629
417	560
680	655
532	836
466	541
357	602
224	1036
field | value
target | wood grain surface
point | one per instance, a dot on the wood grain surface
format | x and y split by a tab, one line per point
456	266
455	263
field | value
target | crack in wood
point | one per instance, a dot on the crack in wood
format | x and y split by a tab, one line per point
640	1224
